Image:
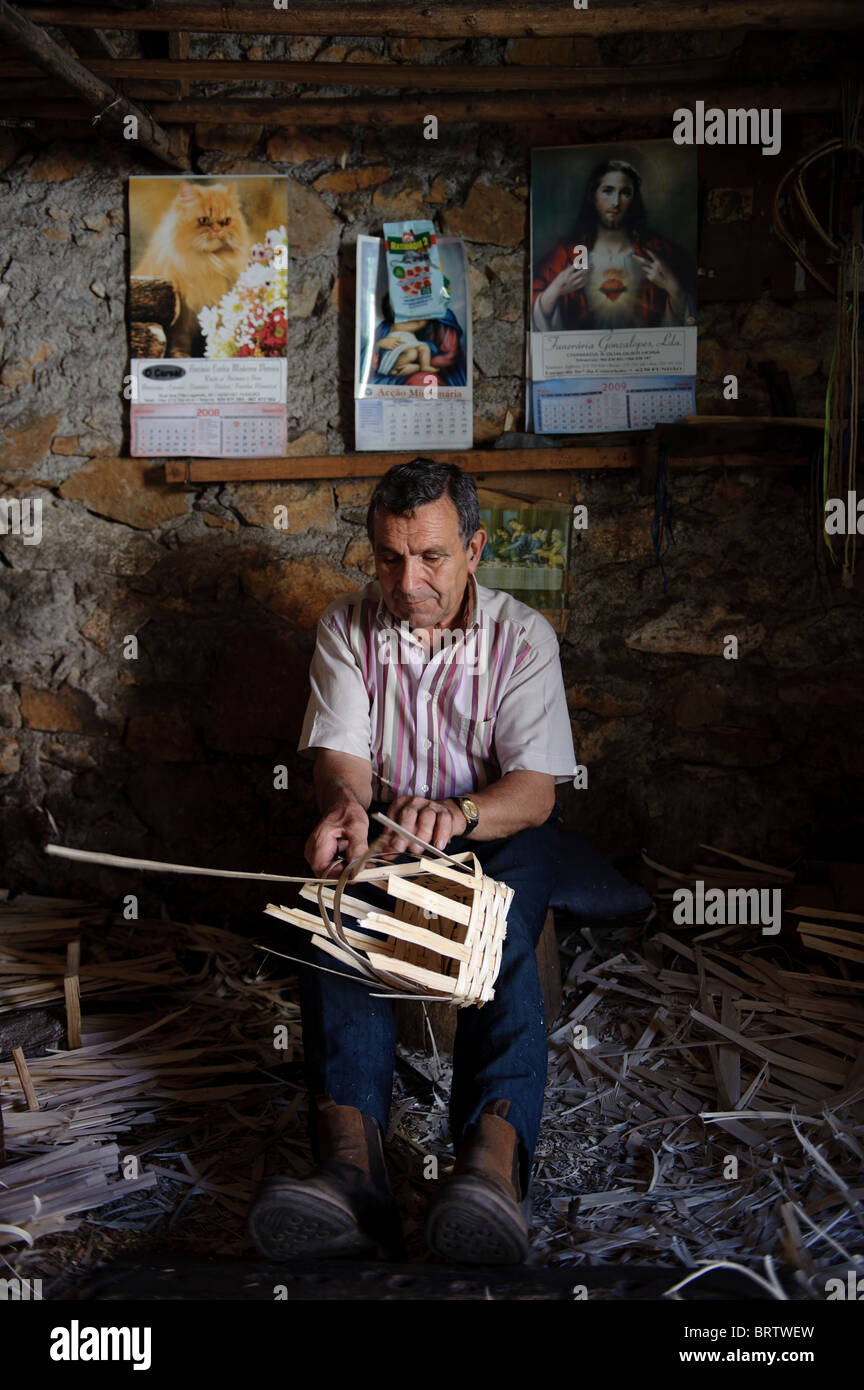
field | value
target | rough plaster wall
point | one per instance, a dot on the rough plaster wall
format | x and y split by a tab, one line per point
172	755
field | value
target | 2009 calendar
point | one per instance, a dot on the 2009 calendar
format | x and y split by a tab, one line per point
594	406
612	327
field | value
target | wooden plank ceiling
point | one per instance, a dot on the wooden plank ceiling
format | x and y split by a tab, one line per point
63	61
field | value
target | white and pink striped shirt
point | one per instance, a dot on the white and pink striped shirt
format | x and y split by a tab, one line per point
485	701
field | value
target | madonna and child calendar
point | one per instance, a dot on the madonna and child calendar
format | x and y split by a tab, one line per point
412	385
208	315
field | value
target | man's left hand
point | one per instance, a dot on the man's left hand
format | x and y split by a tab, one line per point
436	822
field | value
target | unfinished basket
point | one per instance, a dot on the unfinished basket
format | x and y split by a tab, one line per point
441	940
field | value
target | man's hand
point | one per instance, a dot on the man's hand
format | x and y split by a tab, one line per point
343	833
436	822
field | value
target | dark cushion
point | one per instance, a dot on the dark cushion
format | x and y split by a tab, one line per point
587	886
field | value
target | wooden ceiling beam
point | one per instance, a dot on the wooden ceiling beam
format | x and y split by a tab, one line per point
618	104
459	21
112	107
424	77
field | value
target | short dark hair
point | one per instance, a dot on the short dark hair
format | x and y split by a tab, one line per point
407	486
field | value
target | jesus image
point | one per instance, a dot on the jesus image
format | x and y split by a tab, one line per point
633	278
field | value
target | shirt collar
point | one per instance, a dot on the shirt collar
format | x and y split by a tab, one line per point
473	617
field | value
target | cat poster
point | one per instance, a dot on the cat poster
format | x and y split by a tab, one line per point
613	304
412	384
208	303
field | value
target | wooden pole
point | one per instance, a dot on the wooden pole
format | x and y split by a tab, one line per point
375	465
426	77
598	104
72	992
111	107
25	1078
459	21
595	104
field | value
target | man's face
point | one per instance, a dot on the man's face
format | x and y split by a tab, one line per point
422	564
613	198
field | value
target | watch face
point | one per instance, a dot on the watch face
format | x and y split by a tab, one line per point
470	808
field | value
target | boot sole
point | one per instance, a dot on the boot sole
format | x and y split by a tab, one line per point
289	1221
473	1224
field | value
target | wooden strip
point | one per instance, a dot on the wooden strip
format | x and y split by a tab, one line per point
412	76
71	990
425	898
830	933
824	912
742	1041
594	104
832	948
373	465
418	936
468	880
418	973
752	863
312	923
461	21
122	861
25	1078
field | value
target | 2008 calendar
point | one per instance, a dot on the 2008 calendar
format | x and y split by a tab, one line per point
208	310
219	431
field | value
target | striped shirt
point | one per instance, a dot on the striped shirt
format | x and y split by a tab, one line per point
486	699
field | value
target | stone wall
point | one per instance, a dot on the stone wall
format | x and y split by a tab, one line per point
172	754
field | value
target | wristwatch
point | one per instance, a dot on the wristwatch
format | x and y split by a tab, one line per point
469	811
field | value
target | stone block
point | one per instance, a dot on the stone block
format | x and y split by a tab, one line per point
301	505
127	490
67	709
299	589
490	214
350	180
313	230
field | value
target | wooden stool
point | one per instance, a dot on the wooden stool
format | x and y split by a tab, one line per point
442	1017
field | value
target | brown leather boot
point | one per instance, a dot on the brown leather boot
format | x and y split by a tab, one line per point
479	1219
344	1209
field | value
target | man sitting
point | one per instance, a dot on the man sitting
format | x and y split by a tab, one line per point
470	735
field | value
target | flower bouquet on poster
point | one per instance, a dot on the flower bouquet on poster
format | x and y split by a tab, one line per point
251	319
208	310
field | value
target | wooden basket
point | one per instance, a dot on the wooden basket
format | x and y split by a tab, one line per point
442	939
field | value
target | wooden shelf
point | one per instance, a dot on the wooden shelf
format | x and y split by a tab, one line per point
734	439
374	465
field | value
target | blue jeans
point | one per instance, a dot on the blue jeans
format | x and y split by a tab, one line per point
349	1038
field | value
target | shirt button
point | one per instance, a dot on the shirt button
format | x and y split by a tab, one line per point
427	743
425	787
426	695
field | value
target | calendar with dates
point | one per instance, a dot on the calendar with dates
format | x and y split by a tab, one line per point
402	424
596	406
216	431
613	303
208	315
412	386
